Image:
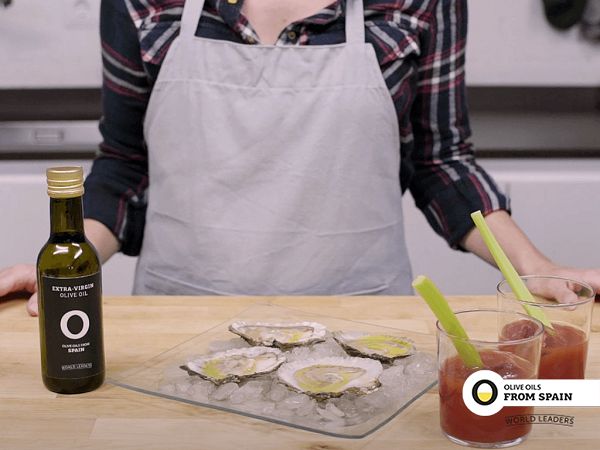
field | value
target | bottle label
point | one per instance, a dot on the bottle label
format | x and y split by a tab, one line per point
72	321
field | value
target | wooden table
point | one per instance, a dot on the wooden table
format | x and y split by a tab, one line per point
139	328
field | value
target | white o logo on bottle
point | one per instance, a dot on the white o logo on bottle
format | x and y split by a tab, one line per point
64	326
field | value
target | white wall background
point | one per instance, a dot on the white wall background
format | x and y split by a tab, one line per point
55	43
511	43
50	44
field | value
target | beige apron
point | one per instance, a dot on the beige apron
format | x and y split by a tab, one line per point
274	170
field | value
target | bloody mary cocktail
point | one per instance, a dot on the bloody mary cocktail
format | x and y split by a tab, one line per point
455	418
564	356
516	358
564	349
565	346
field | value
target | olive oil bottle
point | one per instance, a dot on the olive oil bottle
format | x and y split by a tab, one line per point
69	292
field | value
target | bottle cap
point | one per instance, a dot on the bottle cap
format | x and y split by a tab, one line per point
65	182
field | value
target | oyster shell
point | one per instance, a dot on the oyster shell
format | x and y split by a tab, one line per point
332	376
280	335
385	348
235	365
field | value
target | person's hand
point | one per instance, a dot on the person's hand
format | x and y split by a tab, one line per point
526	258
588	276
20	278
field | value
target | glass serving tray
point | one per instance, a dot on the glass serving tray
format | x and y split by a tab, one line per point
262	397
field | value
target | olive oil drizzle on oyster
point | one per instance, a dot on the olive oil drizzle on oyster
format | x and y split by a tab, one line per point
385	348
385	345
235	365
326	378
331	376
219	368
279	335
288	333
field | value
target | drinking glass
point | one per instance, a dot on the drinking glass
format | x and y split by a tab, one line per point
510	358
565	346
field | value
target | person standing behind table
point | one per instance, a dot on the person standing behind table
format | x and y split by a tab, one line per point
278	137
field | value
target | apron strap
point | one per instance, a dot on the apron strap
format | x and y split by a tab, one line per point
190	17
355	22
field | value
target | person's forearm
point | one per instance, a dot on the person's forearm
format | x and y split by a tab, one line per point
519	249
101	238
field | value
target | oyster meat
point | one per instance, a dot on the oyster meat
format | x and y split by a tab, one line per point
280	335
385	348
328	377
235	365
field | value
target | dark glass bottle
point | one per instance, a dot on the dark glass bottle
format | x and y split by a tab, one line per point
69	292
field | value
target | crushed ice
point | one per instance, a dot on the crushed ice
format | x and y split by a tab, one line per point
264	396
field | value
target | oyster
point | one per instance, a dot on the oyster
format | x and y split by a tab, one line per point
331	376
280	335
235	365
385	348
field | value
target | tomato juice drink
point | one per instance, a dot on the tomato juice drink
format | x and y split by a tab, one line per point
564	356
457	421
511	357
564	349
565	346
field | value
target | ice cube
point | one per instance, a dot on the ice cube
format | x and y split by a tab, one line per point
295	401
307	408
393	376
200	397
238	396
298	353
328	348
326	414
182	386
347	406
282	413
332	408
278	393
363	405
259	407
338	423
420	364
203	388
224	391
379	399
251	390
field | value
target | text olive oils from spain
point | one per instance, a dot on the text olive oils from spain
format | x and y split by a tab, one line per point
69	292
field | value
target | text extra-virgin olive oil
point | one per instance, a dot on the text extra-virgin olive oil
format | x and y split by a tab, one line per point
69	292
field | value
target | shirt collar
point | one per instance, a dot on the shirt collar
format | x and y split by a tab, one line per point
231	13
